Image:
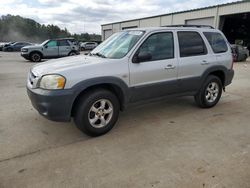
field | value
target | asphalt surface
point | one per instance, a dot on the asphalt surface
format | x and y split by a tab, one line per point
171	143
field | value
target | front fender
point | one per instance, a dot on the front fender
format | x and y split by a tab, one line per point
83	85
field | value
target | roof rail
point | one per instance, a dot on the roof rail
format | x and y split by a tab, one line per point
186	25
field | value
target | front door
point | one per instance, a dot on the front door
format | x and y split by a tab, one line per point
156	76
51	49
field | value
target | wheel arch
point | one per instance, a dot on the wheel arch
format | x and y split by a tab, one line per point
219	71
115	85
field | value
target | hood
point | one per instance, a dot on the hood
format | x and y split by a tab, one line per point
59	65
33	46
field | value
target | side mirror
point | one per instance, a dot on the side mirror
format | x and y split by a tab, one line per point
45	46
142	57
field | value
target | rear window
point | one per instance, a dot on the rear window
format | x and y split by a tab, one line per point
191	44
216	41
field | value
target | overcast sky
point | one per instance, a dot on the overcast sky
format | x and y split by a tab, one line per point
87	15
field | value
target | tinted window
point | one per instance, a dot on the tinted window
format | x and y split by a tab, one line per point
159	45
52	43
216	41
63	43
18	44
191	44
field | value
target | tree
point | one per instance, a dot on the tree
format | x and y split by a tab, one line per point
17	28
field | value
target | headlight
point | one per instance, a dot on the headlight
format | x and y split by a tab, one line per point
52	81
24	50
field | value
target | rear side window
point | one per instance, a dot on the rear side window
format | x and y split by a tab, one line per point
159	45
63	43
216	41
191	44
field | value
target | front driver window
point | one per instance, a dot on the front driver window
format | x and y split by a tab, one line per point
52	43
159	45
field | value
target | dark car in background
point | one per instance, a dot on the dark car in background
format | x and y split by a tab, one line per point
16	46
240	53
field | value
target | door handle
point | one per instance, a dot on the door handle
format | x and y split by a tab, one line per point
204	62
170	67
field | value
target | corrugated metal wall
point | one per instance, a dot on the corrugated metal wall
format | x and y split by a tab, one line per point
181	18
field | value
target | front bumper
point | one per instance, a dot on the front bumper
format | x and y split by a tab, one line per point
54	105
25	55
229	77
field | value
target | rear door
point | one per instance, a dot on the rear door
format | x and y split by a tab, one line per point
220	48
158	76
51	49
64	47
194	59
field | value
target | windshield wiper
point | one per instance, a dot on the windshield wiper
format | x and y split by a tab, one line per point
98	54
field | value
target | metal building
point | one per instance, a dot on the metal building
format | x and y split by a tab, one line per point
232	18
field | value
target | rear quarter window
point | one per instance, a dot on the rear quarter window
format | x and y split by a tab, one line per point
216	41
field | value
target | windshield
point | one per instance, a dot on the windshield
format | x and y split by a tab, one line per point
118	45
44	42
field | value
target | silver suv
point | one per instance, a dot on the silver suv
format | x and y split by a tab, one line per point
131	66
52	48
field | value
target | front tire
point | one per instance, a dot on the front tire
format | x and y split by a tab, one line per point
210	92
35	57
97	112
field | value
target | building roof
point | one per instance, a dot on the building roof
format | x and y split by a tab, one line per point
178	12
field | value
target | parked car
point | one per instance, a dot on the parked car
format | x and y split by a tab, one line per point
2	45
88	45
242	53
15	46
234	54
52	48
131	66
5	44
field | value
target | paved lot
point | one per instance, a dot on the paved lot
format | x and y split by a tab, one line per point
169	144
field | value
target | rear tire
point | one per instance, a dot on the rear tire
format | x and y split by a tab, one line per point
35	57
97	112
209	93
72	53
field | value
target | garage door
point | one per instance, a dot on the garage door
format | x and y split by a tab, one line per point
107	33
201	21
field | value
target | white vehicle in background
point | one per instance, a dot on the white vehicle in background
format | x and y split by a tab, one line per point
88	45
